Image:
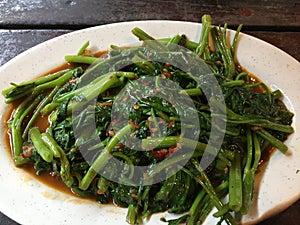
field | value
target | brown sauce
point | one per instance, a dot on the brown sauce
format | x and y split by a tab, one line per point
43	123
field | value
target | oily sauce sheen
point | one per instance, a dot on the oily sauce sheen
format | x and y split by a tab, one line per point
43	123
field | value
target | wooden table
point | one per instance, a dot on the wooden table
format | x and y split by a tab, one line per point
25	23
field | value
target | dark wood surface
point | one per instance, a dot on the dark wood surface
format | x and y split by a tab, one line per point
25	23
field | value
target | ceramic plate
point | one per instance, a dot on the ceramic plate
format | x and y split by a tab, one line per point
28	201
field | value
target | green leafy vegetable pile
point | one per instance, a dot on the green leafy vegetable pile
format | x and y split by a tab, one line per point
256	119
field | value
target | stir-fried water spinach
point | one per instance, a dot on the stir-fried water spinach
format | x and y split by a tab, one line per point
256	119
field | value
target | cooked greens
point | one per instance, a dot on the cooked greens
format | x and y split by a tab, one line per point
256	119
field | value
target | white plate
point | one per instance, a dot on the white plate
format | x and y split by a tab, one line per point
28	201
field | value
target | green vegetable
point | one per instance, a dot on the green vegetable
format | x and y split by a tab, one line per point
40	146
59	153
97	151
103	158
